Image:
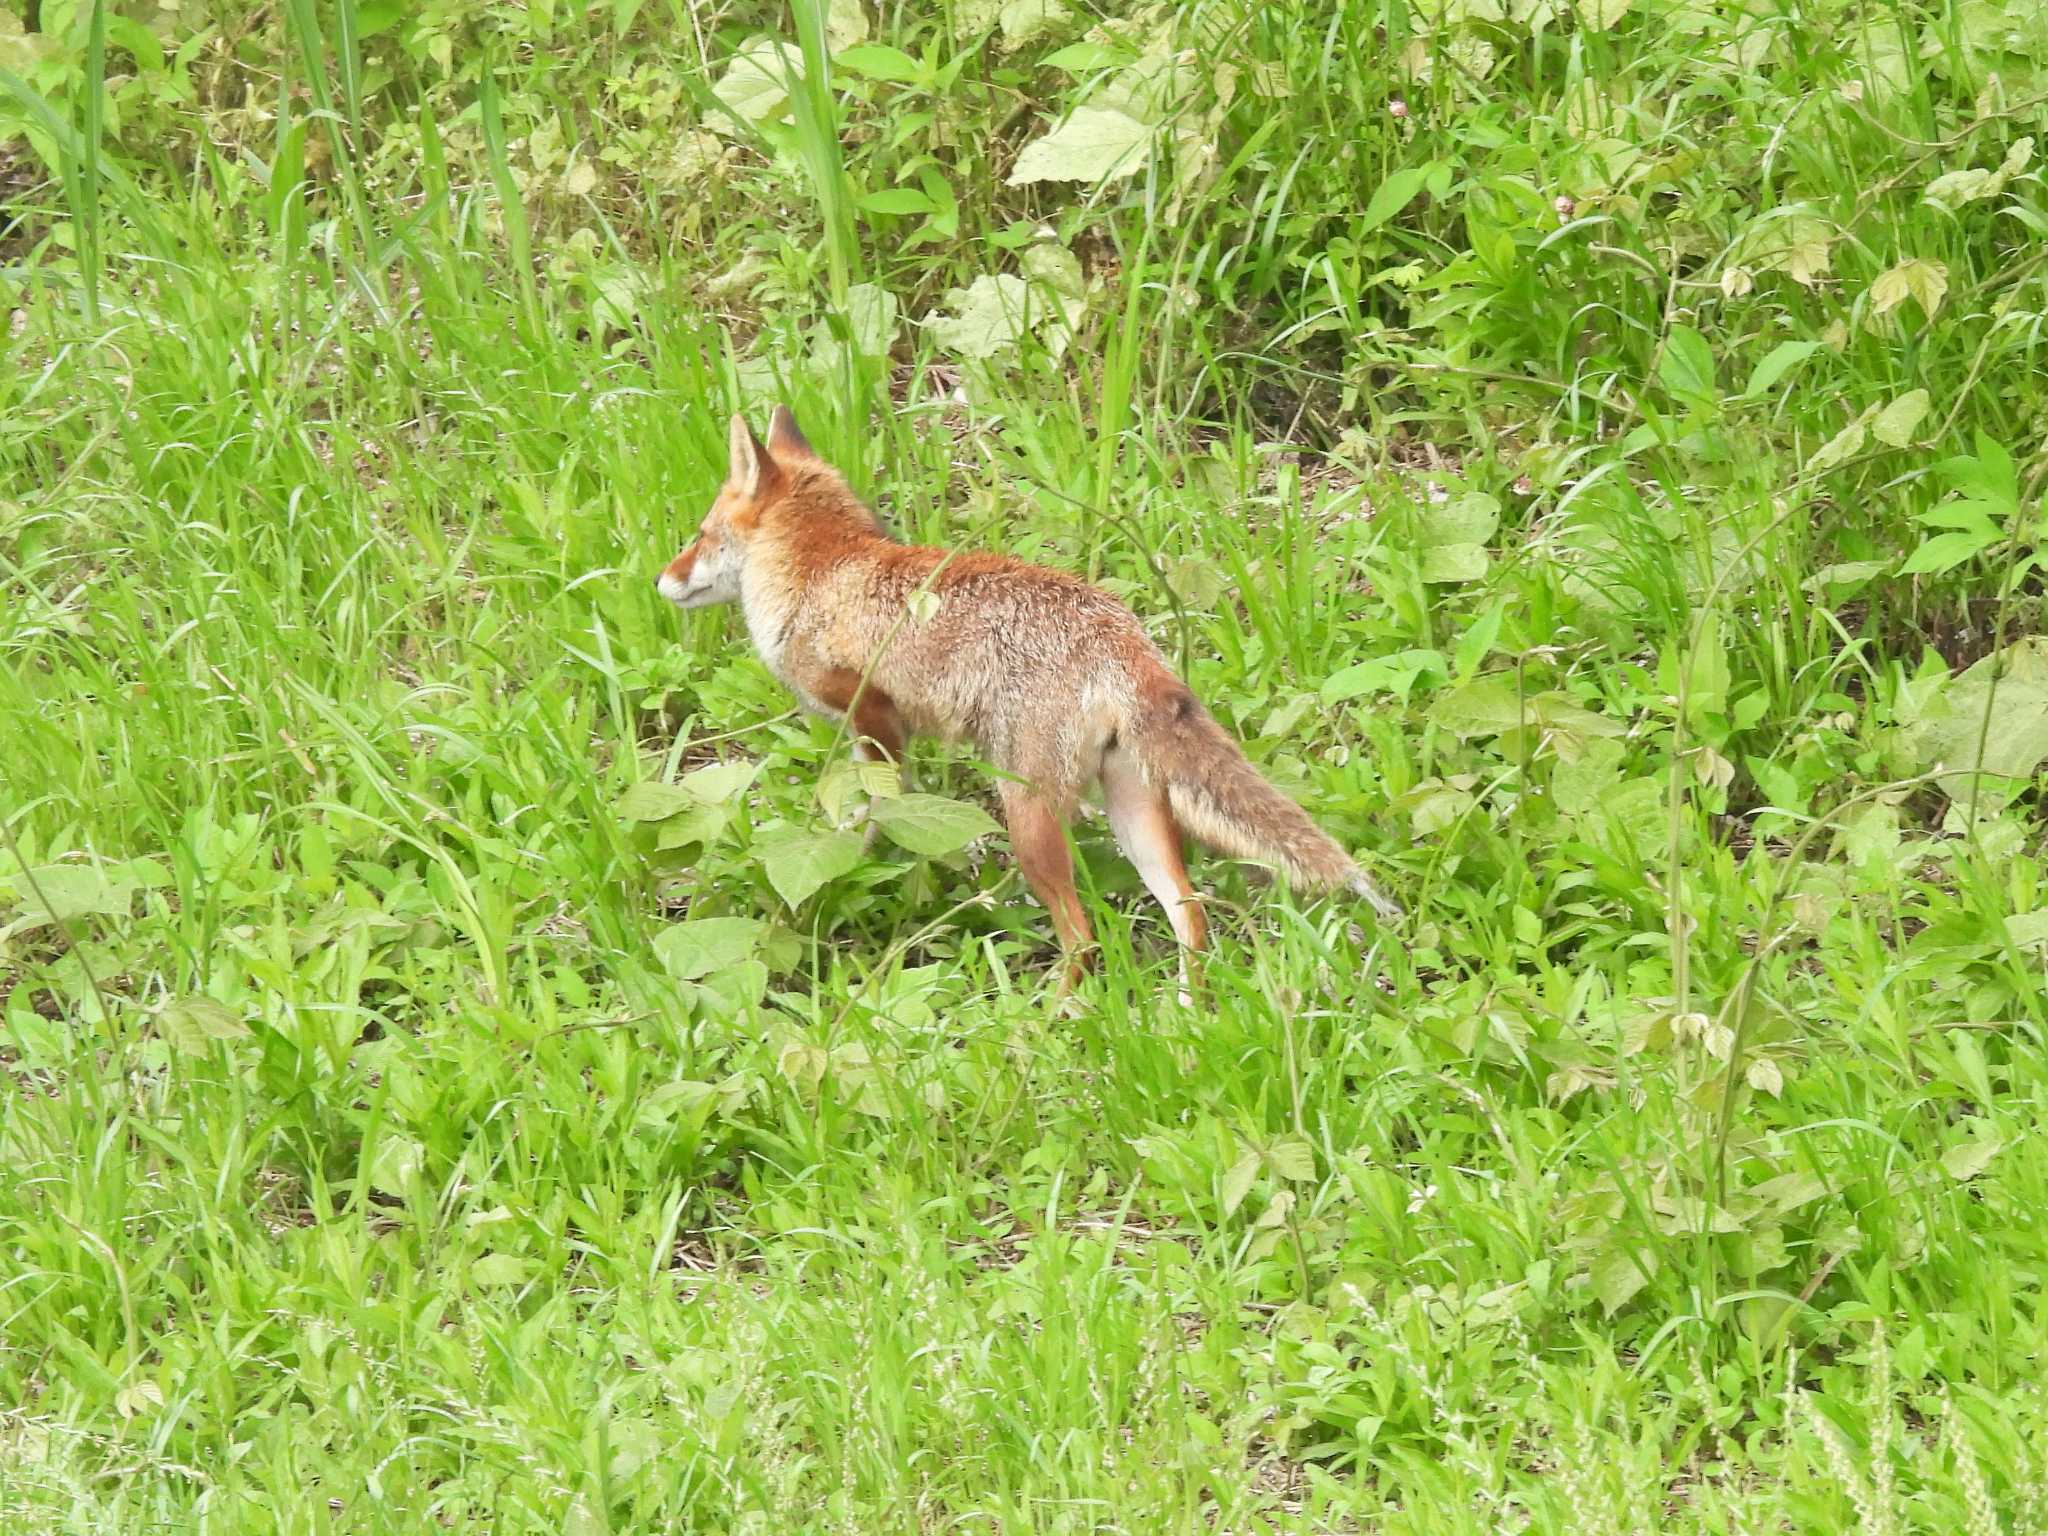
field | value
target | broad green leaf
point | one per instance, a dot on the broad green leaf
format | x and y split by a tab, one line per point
1951	191
799	862
1486	706
1971	516
377	16
1443	563
1630	816
1923	281
1292	1158
1946	551
1394	194
1476	644
652	801
1897	422
2027	929
878	61
1084	58
1789	1191
896	201
1025	22
1601	15
869	324
61	892
1439	809
1687	367
1288	713
1845	578
1470	518
1953	717
1197	582
1581	787
1779	361
713	784
846	24
1094	145
991	313
1779	784
1276	1212
394	1164
718	783
1619	1274
501	1269
1888	67
1706	672
1394	674
138	1397
1237	1183
681	1101
1647	1031
1792	241
755	83
931	824
732	990
1840	448
871	314
1055	266
849	781
1966	1159
699	824
1561	712
691	949
192	1024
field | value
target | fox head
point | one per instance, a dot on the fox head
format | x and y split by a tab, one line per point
708	571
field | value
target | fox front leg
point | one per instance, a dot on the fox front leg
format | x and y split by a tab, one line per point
877	727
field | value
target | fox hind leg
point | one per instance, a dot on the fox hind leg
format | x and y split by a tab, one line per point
1038	833
1150	838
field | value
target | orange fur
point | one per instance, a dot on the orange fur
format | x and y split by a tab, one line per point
1053	680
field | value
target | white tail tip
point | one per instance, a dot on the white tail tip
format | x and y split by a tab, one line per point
1388	909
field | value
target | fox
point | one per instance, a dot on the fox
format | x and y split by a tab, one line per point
1051	679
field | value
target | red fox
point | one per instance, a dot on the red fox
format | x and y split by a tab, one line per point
1052	679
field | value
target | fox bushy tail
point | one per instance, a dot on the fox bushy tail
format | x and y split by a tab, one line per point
1224	802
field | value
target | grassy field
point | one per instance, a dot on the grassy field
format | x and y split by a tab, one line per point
458	1078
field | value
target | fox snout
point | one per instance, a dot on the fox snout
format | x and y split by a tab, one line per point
679	583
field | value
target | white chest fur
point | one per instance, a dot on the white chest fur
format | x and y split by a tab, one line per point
770	609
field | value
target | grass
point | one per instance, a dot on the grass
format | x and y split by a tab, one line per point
457	1080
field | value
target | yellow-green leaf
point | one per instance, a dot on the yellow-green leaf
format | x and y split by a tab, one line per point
192	1024
1292	1158
1094	145
1897	422
1600	15
1924	281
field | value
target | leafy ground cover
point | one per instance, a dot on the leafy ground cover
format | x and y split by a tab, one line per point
457	1078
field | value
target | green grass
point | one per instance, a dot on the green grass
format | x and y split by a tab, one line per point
399	1137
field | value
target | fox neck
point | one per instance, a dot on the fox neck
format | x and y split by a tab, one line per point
787	559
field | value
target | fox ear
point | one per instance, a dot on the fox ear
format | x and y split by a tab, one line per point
786	439
750	466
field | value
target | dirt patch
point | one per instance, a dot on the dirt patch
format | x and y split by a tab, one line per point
22	222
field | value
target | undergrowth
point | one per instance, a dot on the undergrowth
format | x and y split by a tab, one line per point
457	1076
